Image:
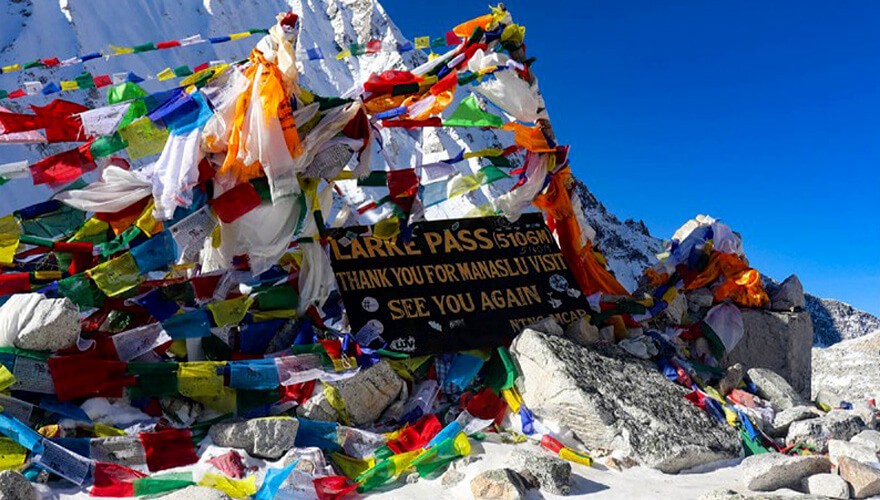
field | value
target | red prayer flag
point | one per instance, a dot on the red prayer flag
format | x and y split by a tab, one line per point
11	123
430	122
168	449
61	121
51	62
15	94
14	282
374	46
452	38
298	392
63	167
168	44
114	481
84	375
201	67
102	81
236	202
416	436
403	184
384	83
333	487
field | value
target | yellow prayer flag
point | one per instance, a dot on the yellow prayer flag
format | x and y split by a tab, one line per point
165	74
11	68
344	364
48	275
514	33
12	454
387	229
462	184
9	238
230	312
433	56
104	430
483	152
117	50
235	488
6	378
337	403
93	227
144	138
67	85
200	378
422	42
342	55
239	36
404	460
147	223
276	314
117	275
351	467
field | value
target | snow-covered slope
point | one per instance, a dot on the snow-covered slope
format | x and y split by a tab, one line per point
31	29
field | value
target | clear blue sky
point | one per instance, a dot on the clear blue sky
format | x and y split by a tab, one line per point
763	114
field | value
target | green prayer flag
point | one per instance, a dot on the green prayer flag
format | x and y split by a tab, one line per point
153	379
3	180
440	41
258	31
375	179
492	174
61	222
247	400
84	80
81	291
145	47
182	71
162	483
33	64
470	114
357	49
466	77
107	145
137	110
499	161
125	92
3	94
325	103
278	297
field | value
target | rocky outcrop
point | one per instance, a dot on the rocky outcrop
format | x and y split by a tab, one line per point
838	449
261	437
773	471
816	432
782	421
778	341
835	321
788	296
865	480
615	402
850	369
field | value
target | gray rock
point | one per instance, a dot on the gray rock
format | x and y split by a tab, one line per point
368	393
701	298
451	477
789	296
772	387
183	411
782	421
868	437
614	401
14	486
318	408
122	450
772	471
864	479
827	485
582	332
778	341
828	398
859	452
498	484
261	437
784	494
54	325
816	432
731	379
548	326
552	473
196	493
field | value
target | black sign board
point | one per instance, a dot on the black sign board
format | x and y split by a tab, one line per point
455	285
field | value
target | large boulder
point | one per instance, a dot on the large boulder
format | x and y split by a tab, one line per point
122	450
261	437
14	486
778	341
864	479
773	471
498	484
782	421
849	369
868	437
772	387
788	296
613	401
816	432
856	451
31	321
827	485
552	473
365	395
